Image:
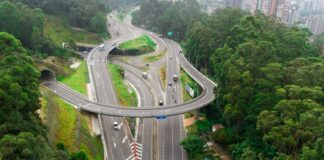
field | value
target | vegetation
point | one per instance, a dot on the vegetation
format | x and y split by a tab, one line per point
265	95
86	14
193	145
187	80
68	127
21	134
78	80
58	31
153	58
140	45
319	43
117	4
27	25
126	96
164	17
162	74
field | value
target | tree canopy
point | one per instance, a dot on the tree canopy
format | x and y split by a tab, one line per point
270	84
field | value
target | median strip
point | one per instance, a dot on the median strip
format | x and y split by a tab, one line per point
125	93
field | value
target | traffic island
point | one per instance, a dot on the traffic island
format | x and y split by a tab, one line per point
141	45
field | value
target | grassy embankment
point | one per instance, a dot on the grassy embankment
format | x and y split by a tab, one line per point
186	79
78	80
126	95
60	31
162	74
153	58
67	125
140	45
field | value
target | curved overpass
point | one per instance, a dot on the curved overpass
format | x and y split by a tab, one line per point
206	97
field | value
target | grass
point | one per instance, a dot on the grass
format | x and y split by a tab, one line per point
59	31
153	58
78	80
67	125
186	79
189	114
162	74
142	44
126	95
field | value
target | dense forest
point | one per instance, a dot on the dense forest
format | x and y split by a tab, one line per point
25	20
22	135
270	80
27	25
22	39
166	16
87	14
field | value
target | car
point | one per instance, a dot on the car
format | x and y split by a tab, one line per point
160	103
116	126
170	57
144	75
102	47
114	44
170	84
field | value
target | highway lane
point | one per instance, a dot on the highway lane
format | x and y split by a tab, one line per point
173	126
116	142
106	95
145	126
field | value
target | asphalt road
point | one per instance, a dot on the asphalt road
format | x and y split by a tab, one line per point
117	142
145	125
170	131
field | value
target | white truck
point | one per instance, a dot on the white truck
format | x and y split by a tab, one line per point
175	78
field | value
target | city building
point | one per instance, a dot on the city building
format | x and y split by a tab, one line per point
304	13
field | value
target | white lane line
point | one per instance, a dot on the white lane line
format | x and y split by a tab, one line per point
114	142
124	139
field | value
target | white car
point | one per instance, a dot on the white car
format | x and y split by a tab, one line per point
116	126
145	75
102	47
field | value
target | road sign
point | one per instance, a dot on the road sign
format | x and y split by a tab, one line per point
160	117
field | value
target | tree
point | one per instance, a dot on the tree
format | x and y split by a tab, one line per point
79	156
286	127
98	24
24	146
193	145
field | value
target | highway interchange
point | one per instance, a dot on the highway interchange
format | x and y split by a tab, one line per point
155	139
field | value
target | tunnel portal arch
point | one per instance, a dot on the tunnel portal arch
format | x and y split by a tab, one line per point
47	75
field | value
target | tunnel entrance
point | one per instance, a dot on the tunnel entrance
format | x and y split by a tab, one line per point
47	75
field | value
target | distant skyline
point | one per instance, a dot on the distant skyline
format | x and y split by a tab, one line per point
304	13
